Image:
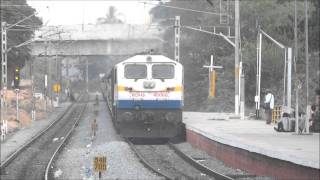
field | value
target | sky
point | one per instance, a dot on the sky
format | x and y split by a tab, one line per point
67	12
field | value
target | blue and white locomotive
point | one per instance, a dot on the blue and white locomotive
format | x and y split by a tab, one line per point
146	97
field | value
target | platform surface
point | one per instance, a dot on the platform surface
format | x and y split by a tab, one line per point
255	136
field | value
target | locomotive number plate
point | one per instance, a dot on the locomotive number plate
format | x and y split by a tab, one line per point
144	94
137	94
161	94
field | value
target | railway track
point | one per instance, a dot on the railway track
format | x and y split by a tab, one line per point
154	157
32	160
171	170
169	162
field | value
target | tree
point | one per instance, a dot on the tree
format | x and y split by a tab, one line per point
110	18
195	50
12	12
274	16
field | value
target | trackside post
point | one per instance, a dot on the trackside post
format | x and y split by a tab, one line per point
100	164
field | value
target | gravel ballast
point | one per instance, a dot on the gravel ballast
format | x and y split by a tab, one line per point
75	161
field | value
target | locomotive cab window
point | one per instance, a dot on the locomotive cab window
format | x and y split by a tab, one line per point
163	71
135	71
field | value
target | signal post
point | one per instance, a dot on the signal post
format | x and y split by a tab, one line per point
57	89
212	78
16	83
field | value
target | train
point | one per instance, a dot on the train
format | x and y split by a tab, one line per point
145	97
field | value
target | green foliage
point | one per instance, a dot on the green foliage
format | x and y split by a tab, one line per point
11	14
274	16
277	19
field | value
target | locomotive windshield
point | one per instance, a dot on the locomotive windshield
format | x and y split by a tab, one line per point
162	71
135	71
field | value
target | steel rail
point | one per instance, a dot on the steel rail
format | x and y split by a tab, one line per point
199	166
106	100
46	175
33	139
145	162
185	157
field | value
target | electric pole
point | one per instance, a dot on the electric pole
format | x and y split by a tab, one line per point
46	92
4	83
236	58
177	39
56	80
50	79
33	99
87	74
306	48
68	79
307	64
297	84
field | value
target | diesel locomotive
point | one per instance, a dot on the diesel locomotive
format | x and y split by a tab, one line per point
145	97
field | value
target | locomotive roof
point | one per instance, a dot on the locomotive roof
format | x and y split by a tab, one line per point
143	58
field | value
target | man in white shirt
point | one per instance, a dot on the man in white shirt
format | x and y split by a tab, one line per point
268	105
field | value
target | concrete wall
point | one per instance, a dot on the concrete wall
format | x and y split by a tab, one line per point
252	162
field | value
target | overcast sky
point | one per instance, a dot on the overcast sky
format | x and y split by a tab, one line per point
77	12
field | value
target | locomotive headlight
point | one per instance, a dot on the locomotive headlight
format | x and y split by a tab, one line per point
152	85
149	84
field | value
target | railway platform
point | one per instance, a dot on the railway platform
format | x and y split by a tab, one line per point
254	146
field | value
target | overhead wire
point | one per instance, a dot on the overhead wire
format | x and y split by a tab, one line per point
10	26
21	29
33	39
184	9
12	5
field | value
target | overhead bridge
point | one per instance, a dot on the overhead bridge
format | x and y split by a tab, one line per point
96	40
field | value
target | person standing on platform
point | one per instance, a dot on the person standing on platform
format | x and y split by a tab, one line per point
268	105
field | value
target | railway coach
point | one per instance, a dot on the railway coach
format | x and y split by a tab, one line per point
145	94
